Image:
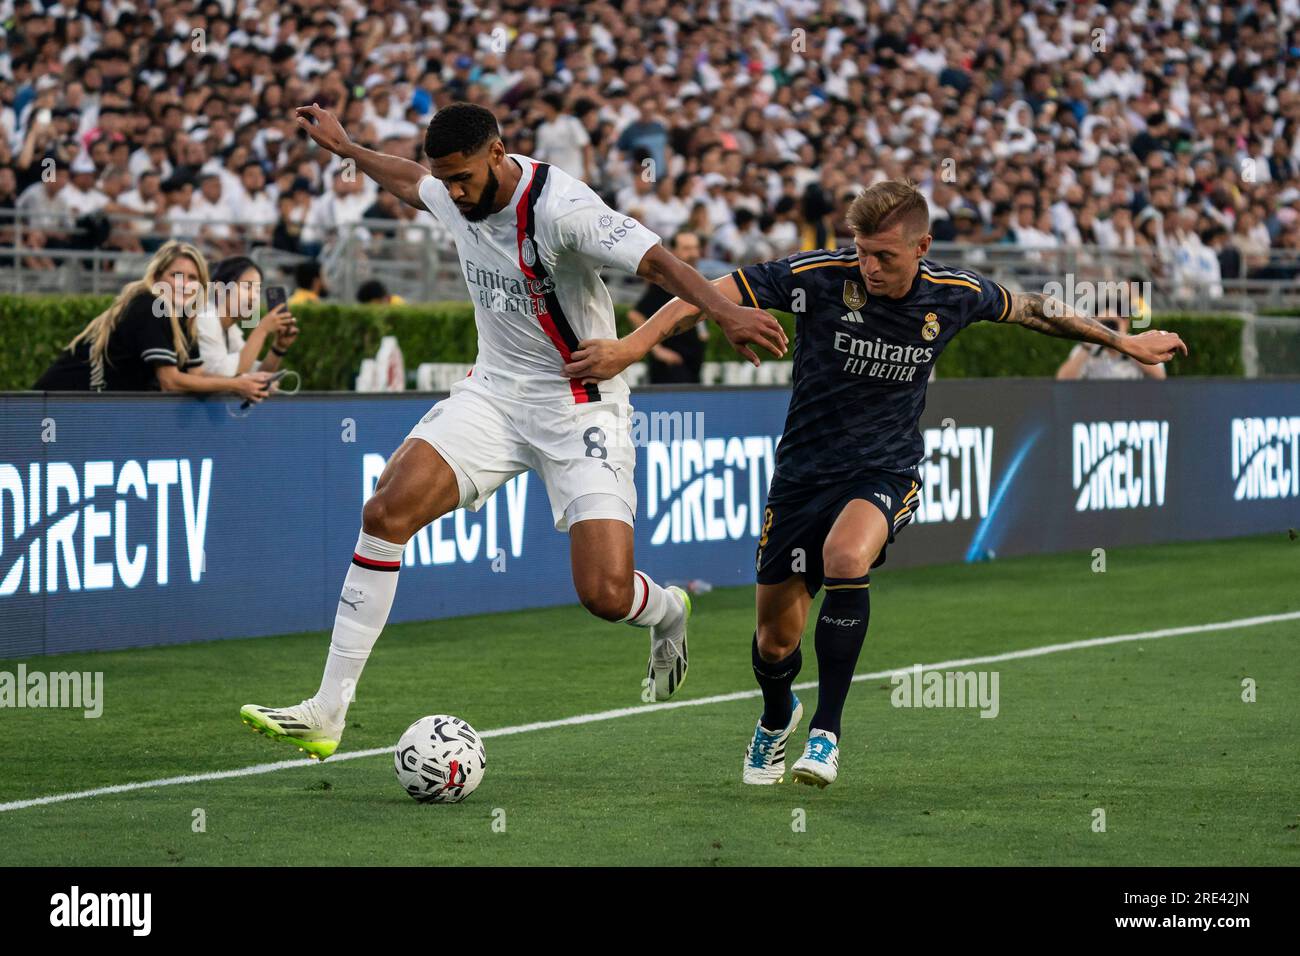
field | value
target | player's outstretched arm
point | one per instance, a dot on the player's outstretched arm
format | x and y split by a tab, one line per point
399	176
1051	316
600	359
742	326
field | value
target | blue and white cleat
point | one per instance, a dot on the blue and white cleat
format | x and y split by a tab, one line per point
820	763
765	757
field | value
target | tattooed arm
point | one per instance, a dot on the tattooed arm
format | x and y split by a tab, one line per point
1051	316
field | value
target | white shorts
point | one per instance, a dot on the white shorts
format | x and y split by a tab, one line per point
578	450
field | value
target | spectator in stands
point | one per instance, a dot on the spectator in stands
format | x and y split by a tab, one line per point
335	212
782	233
142	204
311	283
1026	104
383	217
1229	256
113	183
561	139
80	195
1195	266
45	210
146	340
741	240
1089	360
647	134
374	292
254	207
1028	231
234	303
178	219
292	205
8	205
213	213
678	359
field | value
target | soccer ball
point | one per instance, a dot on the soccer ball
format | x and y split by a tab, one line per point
439	759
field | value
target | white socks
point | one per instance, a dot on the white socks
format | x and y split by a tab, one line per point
367	598
363	610
651	604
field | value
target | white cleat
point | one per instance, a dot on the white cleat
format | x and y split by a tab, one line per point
820	763
765	756
668	661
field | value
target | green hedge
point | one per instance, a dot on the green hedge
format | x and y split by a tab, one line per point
988	350
36	328
336	337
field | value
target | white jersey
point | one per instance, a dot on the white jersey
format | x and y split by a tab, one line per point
533	273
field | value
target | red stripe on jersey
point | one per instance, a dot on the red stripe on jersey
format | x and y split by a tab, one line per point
539	301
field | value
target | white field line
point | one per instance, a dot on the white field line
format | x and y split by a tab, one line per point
655	708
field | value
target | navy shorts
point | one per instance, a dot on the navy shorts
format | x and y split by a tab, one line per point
798	518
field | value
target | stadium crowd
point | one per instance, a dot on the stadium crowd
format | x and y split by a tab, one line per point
751	124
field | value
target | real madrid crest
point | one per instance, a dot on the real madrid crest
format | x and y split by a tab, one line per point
930	331
528	252
855	297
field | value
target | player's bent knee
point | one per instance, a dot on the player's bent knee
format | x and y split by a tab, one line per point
776	642
847	561
380	519
607	599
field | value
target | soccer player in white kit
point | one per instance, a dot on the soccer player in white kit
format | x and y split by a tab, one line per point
532	241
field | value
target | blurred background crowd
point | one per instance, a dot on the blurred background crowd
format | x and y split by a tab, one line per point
751	124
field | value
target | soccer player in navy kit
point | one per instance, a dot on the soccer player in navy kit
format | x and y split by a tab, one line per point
872	319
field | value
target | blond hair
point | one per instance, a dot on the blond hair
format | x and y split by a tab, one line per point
101	327
880	207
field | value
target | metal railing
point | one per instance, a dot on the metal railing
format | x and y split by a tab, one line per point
418	262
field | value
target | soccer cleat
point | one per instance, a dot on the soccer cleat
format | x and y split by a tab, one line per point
668	662
820	763
765	757
301	726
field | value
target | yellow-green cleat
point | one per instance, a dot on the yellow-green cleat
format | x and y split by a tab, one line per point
301	726
668	659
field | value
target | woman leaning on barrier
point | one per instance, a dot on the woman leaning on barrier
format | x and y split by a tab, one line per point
235	296
147	339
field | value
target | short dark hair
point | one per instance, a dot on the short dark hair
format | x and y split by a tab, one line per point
684	233
306	273
371	291
229	270
463	128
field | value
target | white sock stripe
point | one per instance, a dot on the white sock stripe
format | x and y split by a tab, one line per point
351	653
377	549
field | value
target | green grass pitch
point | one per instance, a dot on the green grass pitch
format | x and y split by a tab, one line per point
1153	732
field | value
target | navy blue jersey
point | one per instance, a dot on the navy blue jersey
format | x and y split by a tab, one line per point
861	362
